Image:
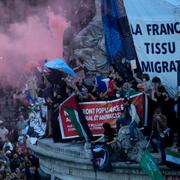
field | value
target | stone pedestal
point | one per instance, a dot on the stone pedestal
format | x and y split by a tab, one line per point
69	161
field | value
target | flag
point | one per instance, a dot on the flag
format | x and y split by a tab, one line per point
119	40
101	84
70	108
60	64
173	159
101	157
113	37
150	167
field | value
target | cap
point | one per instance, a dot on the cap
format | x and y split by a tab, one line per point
8	152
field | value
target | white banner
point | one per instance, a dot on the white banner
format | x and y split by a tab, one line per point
156	39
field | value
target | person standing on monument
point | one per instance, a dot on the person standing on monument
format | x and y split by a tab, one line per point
159	131
129	117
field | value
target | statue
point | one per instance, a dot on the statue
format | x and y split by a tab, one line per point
89	45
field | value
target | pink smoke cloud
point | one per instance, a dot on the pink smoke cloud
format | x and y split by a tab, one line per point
29	43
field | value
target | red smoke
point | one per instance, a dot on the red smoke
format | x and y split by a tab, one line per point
27	43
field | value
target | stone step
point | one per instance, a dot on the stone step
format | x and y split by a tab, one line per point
63	148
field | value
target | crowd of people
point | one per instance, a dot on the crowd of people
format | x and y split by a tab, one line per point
16	160
36	110
163	111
